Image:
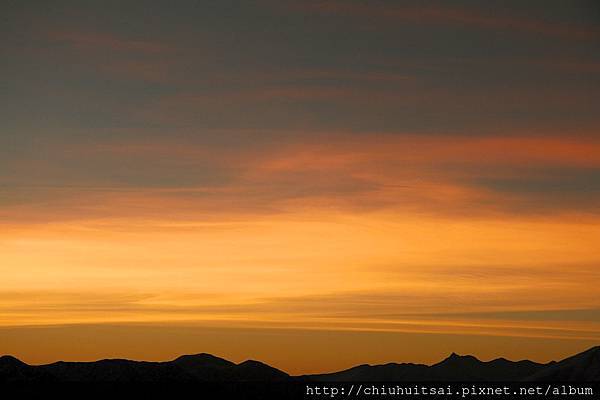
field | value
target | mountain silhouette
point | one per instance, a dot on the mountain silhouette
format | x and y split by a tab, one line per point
208	368
14	370
582	367
189	368
202	360
453	368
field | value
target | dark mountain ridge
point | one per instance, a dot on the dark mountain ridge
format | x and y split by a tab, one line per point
190	368
583	367
454	368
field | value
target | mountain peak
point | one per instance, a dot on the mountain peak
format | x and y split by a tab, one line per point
584	366
205	367
202	359
10	360
252	363
256	370
454	357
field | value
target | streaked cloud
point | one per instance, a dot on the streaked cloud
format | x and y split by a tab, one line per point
364	172
474	17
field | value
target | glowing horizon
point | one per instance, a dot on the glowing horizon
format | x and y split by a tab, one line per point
176	176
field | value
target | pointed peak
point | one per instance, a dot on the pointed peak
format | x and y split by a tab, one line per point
453	357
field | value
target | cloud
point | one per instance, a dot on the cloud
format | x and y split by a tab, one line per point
436	174
350	311
587	315
93	41
441	15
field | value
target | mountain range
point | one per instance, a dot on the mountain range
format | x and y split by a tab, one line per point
583	367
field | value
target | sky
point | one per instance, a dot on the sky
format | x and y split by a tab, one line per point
315	184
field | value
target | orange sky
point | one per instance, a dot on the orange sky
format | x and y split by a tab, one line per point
401	255
315	186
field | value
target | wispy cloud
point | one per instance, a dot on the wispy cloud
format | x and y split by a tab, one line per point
439	175
94	41
442	15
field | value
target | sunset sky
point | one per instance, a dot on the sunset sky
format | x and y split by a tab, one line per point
315	184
